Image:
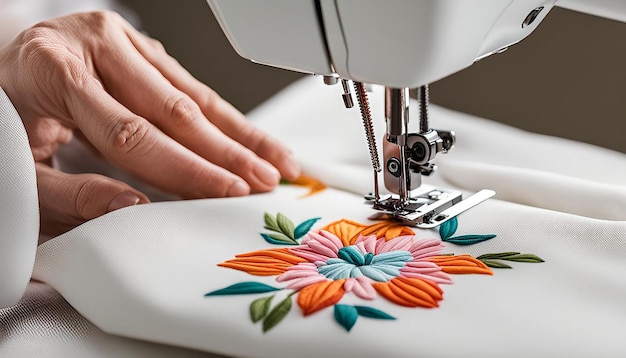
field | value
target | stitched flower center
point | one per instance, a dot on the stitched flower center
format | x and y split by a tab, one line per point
351	262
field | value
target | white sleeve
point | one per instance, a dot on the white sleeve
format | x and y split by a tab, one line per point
19	206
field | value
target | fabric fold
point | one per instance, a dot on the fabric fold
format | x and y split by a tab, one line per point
540	189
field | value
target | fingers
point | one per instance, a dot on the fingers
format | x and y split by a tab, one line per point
227	118
68	200
134	144
181	119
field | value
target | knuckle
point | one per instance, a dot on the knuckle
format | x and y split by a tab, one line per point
51	61
240	159
37	48
255	138
86	205
182	110
128	136
100	21
209	100
156	45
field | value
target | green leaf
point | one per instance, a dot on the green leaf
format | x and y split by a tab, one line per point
529	258
346	316
286	226
278	239
260	307
270	222
277	314
243	288
496	264
497	255
447	229
512	256
469	239
304	227
370	312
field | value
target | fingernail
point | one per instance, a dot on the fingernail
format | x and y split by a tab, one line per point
123	199
267	173
238	189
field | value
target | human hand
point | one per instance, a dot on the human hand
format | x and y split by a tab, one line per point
95	75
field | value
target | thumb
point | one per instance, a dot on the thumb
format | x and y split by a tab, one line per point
68	200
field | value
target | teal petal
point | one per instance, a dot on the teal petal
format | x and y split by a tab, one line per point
393	256
389	270
447	229
352	255
368	258
346	316
469	239
278	239
356	272
304	227
243	288
334	261
370	312
375	274
336	271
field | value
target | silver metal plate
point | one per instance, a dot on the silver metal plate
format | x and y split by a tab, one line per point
428	207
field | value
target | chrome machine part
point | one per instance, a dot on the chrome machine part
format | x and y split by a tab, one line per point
408	156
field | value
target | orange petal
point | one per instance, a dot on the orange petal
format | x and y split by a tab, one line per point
414	285
387	229
283	254
264	262
461	264
346	230
409	293
314	185
320	295
254	269
385	290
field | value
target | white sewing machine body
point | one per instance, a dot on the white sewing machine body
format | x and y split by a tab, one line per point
398	44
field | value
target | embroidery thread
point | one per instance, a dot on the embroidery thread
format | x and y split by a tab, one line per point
285	232
383	259
493	260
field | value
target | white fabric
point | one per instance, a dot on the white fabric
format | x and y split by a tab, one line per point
43	324
19	207
142	271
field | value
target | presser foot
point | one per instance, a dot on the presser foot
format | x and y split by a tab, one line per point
428	206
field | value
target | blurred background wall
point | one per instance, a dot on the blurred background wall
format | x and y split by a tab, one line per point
567	79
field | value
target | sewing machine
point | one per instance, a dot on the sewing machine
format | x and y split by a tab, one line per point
400	45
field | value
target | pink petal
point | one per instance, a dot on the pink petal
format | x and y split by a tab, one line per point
321	249
309	255
349	284
361	247
306	281
306	266
324	238
426	252
363	288
295	272
332	238
420	265
427	243
400	243
369	243
437	277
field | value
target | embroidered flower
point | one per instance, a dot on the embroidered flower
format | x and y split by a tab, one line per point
367	260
